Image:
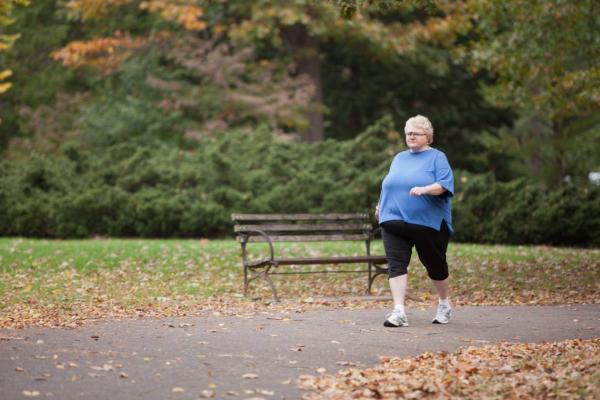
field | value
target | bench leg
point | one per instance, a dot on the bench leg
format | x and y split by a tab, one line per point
271	284
370	282
378	271
255	275
245	281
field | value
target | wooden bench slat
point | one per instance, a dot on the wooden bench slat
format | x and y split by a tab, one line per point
305	238
299	217
317	228
322	260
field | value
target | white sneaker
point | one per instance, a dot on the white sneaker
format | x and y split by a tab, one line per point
395	319
443	314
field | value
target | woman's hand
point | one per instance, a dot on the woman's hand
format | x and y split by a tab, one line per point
377	212
434	189
418	191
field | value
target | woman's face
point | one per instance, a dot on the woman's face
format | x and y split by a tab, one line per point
416	139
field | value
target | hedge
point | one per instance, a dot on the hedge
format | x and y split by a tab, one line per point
133	191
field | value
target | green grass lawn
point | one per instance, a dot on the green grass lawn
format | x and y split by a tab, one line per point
55	280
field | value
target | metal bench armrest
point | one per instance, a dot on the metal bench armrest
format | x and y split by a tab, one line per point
268	239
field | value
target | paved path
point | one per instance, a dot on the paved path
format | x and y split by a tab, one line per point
150	358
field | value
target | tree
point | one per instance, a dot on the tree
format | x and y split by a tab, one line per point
542	54
242	85
546	59
6	41
283	32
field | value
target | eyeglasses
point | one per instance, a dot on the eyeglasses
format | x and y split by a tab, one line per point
409	134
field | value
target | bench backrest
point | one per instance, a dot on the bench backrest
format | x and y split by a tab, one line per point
302	227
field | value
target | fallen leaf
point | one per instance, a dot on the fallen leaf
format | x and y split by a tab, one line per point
11	338
506	369
345	363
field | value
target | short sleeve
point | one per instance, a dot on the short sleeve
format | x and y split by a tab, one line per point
443	174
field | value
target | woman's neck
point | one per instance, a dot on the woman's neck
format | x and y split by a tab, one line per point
420	149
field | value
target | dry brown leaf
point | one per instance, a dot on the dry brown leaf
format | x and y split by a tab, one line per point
565	369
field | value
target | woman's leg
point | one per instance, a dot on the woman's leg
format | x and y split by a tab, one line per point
398	250
431	248
398	289
442	288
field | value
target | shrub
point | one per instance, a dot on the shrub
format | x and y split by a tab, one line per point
162	191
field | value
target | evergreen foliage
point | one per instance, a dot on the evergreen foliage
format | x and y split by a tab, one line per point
133	190
166	116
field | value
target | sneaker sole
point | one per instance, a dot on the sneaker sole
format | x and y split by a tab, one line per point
388	324
435	321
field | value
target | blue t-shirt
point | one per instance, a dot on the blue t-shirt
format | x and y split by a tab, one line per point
417	169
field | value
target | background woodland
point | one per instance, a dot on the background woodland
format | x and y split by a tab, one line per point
159	118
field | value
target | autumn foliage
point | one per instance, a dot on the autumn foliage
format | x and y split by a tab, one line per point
106	54
186	13
567	369
6	41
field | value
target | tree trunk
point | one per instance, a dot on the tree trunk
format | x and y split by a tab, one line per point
306	52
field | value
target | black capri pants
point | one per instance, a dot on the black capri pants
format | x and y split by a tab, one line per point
399	238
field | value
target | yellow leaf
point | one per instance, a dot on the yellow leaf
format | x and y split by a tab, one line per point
5	74
4	87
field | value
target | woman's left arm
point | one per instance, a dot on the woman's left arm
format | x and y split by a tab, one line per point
435	189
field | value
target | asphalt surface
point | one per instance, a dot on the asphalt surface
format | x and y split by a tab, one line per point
252	357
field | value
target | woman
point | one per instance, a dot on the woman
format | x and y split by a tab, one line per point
415	209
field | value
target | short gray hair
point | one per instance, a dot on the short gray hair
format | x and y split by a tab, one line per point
421	122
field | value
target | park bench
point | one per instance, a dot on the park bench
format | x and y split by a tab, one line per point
272	228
